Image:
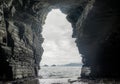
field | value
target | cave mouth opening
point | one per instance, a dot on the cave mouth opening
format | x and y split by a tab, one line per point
60	49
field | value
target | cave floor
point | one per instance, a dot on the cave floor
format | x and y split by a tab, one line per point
78	81
64	81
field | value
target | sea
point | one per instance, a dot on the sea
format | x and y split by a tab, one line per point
59	72
59	75
68	75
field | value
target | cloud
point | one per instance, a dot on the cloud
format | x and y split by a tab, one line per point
59	46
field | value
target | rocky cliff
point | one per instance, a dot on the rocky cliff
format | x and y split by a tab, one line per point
95	25
20	41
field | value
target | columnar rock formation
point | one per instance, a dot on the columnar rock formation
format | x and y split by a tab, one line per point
95	25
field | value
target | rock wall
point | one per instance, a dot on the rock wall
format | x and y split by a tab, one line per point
20	41
95	25
98	39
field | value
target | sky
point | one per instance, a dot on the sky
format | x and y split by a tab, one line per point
59	46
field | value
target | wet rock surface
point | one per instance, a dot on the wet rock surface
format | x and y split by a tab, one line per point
95	25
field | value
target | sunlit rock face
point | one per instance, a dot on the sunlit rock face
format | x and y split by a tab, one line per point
95	25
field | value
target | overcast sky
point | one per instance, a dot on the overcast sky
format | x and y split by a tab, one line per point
59	46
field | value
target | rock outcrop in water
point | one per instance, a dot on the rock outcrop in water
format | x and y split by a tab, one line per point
95	25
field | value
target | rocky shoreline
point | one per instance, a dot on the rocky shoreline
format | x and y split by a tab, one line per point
30	80
80	81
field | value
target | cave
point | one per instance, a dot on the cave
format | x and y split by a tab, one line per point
95	26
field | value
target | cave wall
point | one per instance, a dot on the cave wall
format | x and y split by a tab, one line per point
98	39
20	41
95	25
